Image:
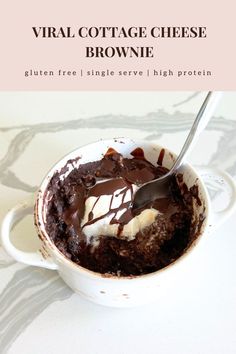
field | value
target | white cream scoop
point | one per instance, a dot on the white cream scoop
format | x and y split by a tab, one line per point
106	214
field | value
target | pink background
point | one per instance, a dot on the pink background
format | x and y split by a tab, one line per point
21	51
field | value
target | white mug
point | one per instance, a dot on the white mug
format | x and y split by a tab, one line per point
113	290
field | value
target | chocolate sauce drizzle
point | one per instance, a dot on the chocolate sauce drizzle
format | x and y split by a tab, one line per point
161	157
145	172
138	153
109	188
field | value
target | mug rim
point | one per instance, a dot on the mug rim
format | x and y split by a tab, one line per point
45	238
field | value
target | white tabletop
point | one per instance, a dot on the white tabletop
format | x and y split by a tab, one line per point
38	312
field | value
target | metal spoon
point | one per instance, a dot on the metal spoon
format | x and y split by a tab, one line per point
159	188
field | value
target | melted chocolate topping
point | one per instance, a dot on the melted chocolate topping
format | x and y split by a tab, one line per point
111	187
74	214
161	157
138	153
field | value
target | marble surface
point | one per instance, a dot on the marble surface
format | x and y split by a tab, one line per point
38	312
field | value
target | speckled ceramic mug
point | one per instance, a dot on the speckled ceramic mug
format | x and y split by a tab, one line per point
112	290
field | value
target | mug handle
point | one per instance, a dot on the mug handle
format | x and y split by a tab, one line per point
39	258
214	177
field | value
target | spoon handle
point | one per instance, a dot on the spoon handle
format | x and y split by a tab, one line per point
199	124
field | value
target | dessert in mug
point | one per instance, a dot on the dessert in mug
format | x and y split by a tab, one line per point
91	221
